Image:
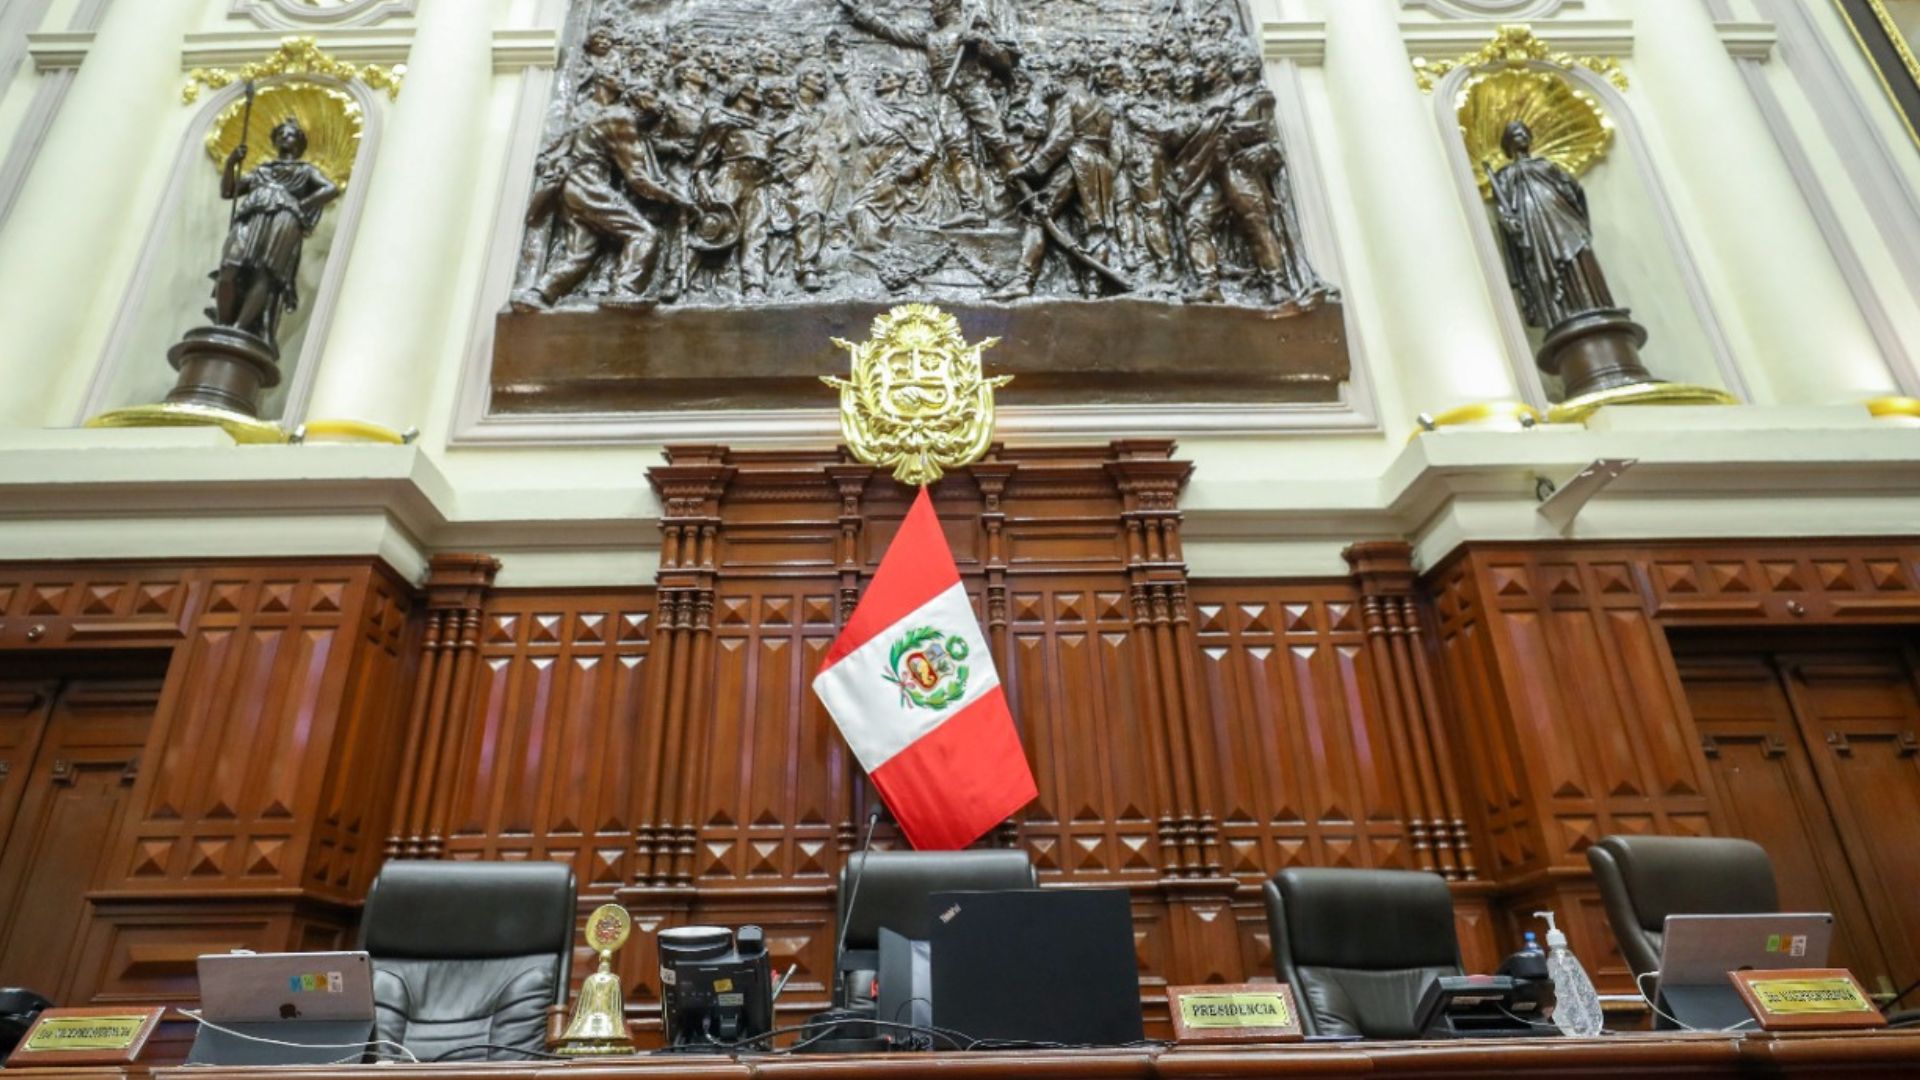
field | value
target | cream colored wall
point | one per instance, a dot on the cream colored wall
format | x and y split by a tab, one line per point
1426	322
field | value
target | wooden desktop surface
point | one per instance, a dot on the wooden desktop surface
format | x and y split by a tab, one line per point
1636	1056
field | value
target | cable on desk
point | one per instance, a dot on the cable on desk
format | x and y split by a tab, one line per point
360	1046
1640	984
545	1055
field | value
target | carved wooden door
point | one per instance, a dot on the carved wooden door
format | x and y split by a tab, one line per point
1860	714
1814	756
72	784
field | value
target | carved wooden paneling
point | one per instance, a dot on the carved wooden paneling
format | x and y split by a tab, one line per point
542	756
265	775
255	703
1574	721
1307	773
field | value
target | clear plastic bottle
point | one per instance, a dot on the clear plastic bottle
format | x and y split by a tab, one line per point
1576	1006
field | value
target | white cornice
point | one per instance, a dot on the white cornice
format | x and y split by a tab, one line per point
1749	40
231	48
516	50
513	50
141	495
60	50
1304	42
1581	37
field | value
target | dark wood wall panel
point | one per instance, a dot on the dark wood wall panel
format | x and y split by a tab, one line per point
543	751
1577	721
255	803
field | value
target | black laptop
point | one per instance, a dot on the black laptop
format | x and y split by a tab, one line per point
1036	967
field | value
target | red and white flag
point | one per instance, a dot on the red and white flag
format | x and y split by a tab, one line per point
910	682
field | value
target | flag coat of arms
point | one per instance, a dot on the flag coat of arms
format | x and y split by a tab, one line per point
911	684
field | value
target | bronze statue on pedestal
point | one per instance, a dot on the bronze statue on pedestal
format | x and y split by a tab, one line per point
1591	342
275	208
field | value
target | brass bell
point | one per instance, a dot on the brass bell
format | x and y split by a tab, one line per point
599	1024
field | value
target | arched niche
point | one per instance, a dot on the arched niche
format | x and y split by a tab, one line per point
303	14
1637	234
1494	9
170	288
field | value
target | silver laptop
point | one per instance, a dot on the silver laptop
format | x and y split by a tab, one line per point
283	1008
1698	953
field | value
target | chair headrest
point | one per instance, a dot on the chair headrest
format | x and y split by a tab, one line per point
469	910
895	885
1378	919
1692	875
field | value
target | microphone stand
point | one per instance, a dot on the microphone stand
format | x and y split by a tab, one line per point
839	1029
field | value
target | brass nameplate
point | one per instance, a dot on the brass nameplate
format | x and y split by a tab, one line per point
86	1036
1806	998
1248	1012
87	1033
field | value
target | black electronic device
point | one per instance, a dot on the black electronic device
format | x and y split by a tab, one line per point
718	987
1480	1006
1036	967
18	1008
906	990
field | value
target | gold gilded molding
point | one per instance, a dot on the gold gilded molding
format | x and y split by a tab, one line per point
1569	127
1480	412
918	401
244	429
1576	410
331	118
1890	27
1905	407
296	56
1515	46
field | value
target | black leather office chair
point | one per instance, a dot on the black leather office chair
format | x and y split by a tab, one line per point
1359	947
466	953
894	888
1644	879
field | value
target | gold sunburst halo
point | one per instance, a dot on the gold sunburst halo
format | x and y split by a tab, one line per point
918	400
1569	127
331	118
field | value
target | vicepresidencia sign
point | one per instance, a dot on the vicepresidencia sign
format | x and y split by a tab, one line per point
1804	998
86	1036
1247	1012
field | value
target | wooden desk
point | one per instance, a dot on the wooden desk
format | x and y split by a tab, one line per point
1890	1054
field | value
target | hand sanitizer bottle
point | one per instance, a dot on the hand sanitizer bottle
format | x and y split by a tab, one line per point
1576	1007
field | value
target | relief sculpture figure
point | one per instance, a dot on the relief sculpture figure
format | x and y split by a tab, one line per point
740	151
584	181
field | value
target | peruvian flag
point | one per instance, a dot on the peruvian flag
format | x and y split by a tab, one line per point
911	684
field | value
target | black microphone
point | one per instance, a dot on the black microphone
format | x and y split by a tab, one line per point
846	918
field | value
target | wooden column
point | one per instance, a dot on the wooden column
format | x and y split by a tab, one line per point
456	591
1403	677
1149	484
689	487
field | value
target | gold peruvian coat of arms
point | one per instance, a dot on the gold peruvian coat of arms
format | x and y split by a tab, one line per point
918	401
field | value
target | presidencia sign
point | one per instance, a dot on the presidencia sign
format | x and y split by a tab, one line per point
1247	1012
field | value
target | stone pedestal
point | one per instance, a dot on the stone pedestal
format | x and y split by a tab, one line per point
1595	352
223	368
